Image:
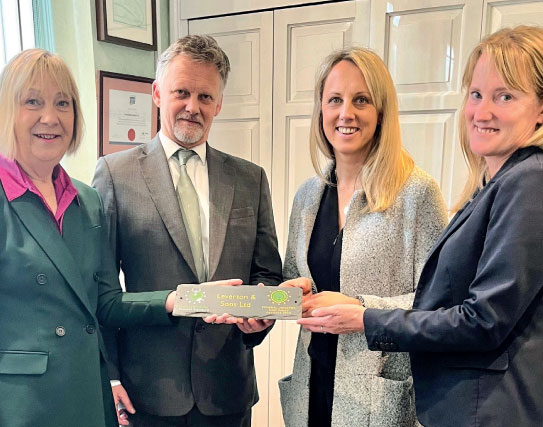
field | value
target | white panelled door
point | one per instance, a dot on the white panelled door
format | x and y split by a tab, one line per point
288	44
425	44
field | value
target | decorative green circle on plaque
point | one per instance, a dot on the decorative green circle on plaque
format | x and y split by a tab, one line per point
279	297
196	296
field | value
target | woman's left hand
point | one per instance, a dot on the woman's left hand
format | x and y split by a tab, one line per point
336	319
325	299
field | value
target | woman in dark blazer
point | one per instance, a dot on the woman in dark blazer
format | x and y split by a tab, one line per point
475	333
58	281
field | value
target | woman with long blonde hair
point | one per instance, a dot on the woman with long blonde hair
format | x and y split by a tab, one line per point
359	233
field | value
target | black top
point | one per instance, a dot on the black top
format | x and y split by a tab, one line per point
323	259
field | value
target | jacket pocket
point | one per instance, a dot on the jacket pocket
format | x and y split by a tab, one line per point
242	213
16	362
490	361
392	403
294	402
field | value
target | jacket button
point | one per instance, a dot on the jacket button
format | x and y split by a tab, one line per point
90	329
199	327
96	277
41	279
393	347
60	331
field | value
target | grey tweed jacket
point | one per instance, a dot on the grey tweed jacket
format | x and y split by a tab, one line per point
381	260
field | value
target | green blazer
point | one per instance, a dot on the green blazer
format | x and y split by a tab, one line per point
54	292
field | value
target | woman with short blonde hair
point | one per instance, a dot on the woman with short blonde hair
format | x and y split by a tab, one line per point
31	66
58	280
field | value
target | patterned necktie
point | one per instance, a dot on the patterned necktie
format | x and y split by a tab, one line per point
190	208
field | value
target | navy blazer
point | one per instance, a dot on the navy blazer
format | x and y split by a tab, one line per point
475	334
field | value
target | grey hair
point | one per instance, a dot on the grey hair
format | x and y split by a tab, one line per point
202	49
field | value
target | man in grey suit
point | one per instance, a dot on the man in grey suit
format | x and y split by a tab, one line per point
192	373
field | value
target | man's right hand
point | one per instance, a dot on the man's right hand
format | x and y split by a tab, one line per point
123	405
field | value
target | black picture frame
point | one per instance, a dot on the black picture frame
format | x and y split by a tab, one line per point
141	35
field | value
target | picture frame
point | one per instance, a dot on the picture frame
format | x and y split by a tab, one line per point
127	22
127	115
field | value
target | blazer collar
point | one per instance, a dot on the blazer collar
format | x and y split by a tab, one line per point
517	157
156	173
41	227
222	180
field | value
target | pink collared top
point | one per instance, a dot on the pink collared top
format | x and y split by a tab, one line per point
16	182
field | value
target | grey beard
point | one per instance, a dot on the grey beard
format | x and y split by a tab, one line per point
188	137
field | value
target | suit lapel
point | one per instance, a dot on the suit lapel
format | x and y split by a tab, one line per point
455	223
39	224
156	173
463	214
222	178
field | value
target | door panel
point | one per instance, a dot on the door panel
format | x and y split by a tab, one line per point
500	14
408	33
425	44
239	138
429	138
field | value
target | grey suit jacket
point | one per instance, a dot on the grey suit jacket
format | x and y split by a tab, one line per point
167	370
381	260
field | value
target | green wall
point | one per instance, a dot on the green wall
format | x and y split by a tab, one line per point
74	30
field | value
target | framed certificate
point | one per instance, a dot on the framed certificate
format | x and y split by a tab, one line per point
127	22
127	115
